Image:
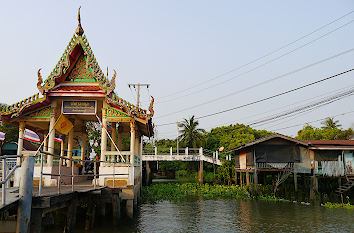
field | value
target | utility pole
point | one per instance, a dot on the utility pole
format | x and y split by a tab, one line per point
177	123
138	85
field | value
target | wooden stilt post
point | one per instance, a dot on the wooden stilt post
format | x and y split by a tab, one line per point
247	179
295	182
115	208
273	182
148	173
241	179
130	208
36	221
71	216
236	182
25	195
201	172
89	218
255	171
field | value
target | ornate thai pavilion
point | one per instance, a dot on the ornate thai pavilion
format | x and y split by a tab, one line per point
78	89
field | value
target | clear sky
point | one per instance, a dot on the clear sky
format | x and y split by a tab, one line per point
178	46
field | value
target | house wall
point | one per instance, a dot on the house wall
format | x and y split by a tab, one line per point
304	165
327	155
243	161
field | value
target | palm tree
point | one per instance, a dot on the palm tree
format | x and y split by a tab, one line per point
331	123
190	133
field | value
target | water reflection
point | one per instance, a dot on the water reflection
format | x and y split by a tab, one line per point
228	216
241	216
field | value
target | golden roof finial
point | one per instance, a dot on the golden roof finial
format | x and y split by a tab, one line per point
79	30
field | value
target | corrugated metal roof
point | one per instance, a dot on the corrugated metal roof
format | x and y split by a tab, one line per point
269	138
331	142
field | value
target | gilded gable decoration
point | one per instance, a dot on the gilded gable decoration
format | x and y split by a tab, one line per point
43	113
114	112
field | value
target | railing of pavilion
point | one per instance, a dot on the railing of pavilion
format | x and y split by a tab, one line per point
61	160
7	161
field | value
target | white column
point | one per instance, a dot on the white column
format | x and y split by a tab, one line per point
114	136
132	152
103	137
62	150
83	145
20	140
45	146
70	146
119	143
51	134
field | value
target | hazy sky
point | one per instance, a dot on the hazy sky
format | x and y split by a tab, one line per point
183	48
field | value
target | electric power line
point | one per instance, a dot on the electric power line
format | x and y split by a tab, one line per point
261	83
268	98
253	61
272	110
305	108
341	114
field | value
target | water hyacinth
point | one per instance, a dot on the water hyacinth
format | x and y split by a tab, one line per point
176	192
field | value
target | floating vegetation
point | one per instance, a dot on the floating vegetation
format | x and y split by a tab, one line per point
332	205
177	191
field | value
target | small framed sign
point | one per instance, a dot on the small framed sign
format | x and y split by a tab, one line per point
82	107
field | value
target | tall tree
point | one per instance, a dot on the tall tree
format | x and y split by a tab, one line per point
190	133
331	123
325	133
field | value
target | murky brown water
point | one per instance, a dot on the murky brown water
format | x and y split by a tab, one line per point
232	216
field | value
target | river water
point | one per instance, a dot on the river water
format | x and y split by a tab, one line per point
231	216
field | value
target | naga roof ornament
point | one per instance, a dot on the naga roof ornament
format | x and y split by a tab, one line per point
79	30
112	83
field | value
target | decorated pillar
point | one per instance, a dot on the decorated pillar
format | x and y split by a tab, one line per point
120	139
51	134
45	146
132	142
20	140
104	134
137	144
70	147
62	150
132	152
83	144
114	136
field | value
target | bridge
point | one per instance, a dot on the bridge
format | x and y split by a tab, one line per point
181	154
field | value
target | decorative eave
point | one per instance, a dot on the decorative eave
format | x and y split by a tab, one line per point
17	108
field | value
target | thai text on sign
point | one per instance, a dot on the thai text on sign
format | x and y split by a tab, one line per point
87	107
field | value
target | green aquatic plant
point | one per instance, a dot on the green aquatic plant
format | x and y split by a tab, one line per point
332	205
177	191
185	191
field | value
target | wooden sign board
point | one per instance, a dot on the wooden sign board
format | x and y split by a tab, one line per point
83	107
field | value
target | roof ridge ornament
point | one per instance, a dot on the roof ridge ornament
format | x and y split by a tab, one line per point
112	83
79	30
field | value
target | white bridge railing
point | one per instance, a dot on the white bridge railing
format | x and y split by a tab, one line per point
183	154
